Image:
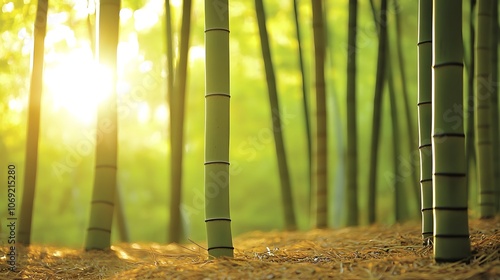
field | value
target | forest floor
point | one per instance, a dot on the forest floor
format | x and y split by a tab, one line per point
375	252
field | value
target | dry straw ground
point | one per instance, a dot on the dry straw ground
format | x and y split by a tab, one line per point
376	252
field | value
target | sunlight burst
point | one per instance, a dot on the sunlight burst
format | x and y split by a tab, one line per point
76	83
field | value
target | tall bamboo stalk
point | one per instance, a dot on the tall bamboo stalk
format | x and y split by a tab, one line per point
494	103
217	96
399	197
31	162
451	231
320	180
305	97
484	92
405	93
352	135
177	101
470	130
425	115
377	107
286	189
103	195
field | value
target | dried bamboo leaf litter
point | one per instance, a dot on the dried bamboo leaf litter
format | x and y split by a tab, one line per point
375	252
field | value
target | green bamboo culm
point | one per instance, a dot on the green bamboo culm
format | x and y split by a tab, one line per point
305	100
352	135
377	108
483	96
451	230
30	174
494	103
425	115
103	195
177	102
320	205
217	96
410	124
286	189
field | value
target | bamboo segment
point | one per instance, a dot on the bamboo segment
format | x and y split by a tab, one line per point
494	103
286	189
451	231
377	110
103	195
320	205
305	99
352	136
217	95
425	114
177	102
484	91
26	212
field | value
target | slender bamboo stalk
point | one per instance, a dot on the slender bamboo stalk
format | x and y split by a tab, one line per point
399	197
470	130
286	189
451	231
31	162
352	135
337	198
305	97
484	92
425	115
377	107
103	195
177	101
217	96
408	113
320	150
169	50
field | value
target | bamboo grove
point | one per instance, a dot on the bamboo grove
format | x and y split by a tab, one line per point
457	120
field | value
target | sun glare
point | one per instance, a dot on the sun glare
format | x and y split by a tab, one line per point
76	83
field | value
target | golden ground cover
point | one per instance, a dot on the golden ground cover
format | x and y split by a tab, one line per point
375	252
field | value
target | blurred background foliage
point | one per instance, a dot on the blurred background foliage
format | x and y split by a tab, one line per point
67	139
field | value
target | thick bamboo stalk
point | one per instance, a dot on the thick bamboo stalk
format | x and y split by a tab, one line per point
103	195
217	96
425	114
451	231
31	162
